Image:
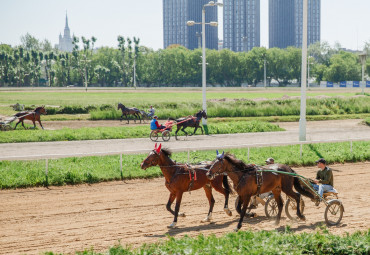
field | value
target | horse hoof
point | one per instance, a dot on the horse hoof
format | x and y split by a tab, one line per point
236	229
303	218
182	215
173	225
277	223
228	211
207	219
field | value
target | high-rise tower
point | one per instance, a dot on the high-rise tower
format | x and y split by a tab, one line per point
286	22
175	31
241	24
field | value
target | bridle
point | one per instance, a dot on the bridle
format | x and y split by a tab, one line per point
218	172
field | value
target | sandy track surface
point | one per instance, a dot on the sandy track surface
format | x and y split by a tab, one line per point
74	218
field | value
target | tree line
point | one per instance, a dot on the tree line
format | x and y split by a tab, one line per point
35	63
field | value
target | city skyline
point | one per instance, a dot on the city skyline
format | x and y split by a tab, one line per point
341	21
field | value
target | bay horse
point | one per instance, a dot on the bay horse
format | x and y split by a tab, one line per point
30	115
244	177
180	178
129	111
191	121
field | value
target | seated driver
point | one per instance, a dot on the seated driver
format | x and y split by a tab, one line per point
155	125
270	161
324	178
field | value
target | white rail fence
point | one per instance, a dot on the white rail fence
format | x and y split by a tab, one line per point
182	149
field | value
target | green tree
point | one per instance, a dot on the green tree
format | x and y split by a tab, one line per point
343	67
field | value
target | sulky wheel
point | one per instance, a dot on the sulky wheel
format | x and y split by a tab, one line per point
291	208
153	136
271	207
334	212
166	135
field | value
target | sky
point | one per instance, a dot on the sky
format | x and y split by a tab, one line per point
343	21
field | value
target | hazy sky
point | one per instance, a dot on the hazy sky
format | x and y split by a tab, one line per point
343	21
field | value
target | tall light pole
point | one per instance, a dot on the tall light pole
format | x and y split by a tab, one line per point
302	119
264	70
363	56
204	76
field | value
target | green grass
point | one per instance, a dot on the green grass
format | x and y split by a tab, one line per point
98	133
248	242
367	121
20	174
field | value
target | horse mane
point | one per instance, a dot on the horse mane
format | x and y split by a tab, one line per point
167	152
239	164
38	108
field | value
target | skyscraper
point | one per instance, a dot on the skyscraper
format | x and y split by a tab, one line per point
175	31
241	24
65	41
286	22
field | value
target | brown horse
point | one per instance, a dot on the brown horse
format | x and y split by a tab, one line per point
180	178
30	115
245	178
129	111
191	121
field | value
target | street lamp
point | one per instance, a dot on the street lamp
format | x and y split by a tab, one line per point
363	56
204	80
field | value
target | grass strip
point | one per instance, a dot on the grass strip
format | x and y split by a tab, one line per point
21	174
249	242
98	133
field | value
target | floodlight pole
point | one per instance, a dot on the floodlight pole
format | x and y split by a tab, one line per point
302	119
204	73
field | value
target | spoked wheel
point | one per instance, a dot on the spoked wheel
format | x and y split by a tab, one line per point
291	208
271	207
166	135
334	212
153	136
6	127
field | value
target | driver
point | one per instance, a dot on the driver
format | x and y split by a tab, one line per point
324	178
155	125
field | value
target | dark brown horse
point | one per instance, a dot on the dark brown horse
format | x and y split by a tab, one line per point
180	178
31	115
191	121
245	177
129	111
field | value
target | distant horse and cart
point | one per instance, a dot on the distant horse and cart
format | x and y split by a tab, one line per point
22	116
181	124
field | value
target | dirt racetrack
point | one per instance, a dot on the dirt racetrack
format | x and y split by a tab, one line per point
74	218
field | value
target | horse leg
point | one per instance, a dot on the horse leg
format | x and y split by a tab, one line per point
128	121
217	185
121	118
23	124
243	211
279	201
178	128
16	125
297	197
183	130
177	208
40	124
208	189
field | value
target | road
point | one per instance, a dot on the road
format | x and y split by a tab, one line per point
316	130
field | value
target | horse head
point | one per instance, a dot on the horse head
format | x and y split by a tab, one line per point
120	106
217	167
40	110
201	114
153	158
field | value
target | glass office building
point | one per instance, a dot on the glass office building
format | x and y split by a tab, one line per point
175	31
241	24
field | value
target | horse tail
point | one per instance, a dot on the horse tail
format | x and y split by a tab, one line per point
300	189
226	184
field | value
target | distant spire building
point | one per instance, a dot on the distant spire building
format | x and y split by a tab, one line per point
65	41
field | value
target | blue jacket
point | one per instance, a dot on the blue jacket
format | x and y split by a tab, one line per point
153	125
